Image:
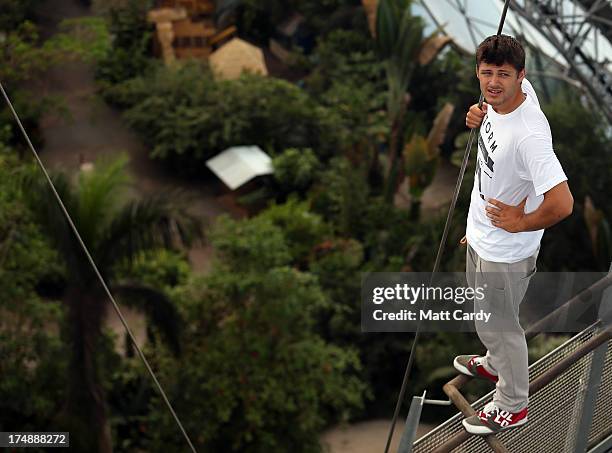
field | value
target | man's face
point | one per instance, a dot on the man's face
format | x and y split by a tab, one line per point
499	84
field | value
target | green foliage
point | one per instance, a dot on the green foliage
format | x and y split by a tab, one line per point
585	157
27	60
98	197
586	160
388	18
129	55
19	47
15	12
341	197
448	78
543	344
252	245
399	38
337	264
159	268
318	14
420	165
258	19
348	80
186	84
391	239
373	236
253	376
33	358
129	394
186	117
346	56
295	169
86	38
399	35
115	229
360	116
303	229
112	226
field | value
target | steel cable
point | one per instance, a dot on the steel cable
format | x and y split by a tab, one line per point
436	266
96	271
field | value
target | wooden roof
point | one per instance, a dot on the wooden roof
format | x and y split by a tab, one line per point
166	14
236	56
192	6
186	27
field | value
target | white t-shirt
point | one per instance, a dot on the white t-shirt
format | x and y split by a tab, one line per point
515	160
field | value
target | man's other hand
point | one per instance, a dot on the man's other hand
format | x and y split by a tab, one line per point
505	216
475	115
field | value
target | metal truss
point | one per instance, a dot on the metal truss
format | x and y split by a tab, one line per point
581	31
571	39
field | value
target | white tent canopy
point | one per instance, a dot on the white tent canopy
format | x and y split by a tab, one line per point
239	164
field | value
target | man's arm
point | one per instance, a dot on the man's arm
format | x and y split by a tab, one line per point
557	205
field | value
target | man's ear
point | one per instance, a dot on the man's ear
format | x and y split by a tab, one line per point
521	75
477	72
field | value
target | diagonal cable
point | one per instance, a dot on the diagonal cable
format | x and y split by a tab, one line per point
451	209
97	272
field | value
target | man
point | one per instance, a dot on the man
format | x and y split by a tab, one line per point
519	189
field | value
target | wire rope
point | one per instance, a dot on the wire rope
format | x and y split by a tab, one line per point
96	271
466	156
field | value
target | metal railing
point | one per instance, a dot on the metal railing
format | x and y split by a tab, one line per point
570	392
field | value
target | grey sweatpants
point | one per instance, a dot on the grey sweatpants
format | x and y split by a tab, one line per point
505	286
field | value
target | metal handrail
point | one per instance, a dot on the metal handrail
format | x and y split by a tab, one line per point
452	390
583	296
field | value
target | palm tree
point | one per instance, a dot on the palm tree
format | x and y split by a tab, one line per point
402	46
399	37
115	229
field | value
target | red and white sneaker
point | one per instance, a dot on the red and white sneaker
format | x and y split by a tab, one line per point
471	365
491	419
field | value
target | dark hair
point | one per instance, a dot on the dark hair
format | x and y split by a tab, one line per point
498	50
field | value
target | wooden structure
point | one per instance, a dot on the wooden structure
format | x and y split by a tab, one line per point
236	56
191	39
186	29
193	7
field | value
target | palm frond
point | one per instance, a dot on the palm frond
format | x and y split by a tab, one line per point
159	309
159	221
50	217
112	229
100	194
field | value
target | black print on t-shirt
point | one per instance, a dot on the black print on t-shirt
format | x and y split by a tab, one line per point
486	155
